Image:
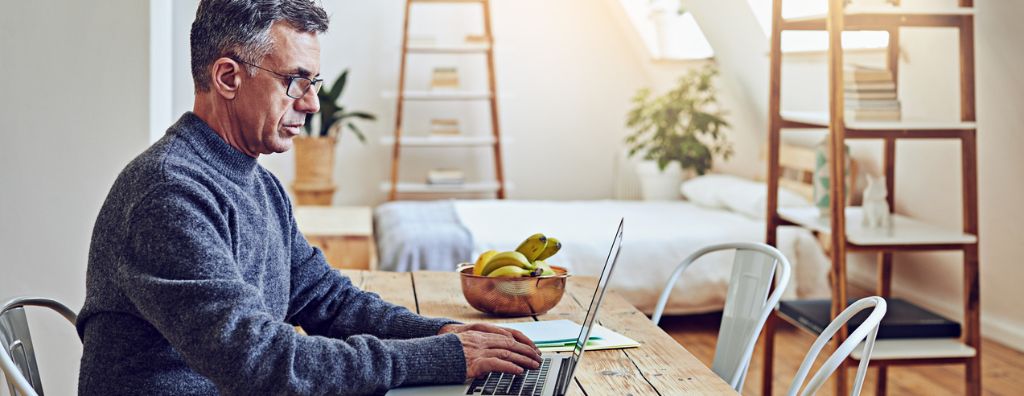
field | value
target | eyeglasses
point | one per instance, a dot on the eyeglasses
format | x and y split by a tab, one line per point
297	85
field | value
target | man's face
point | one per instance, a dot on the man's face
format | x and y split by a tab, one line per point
268	118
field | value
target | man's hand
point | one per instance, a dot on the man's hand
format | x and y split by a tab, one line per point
491	348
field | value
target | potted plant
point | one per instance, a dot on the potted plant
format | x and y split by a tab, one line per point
314	151
681	130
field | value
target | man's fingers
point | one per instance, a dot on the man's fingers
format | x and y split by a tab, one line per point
498	342
489	328
509	356
522	338
490	364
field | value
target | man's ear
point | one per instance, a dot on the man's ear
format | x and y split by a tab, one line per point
227	77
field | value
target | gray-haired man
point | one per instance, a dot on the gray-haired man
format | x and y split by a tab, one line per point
197	271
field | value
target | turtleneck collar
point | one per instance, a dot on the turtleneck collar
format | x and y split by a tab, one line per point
235	164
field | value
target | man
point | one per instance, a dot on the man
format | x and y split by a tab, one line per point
197	272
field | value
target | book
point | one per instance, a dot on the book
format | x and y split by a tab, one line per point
902	319
445	78
862	114
861	73
857	86
872	103
444	127
445	176
857	95
561	335
476	39
421	40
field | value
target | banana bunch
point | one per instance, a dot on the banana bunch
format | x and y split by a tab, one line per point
526	260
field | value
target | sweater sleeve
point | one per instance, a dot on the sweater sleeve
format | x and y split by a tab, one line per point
183	279
325	302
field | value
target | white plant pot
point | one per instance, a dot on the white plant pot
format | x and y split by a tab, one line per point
658	185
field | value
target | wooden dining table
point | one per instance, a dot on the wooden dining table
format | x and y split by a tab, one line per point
660	366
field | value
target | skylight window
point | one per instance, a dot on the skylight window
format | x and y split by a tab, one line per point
666	33
808	41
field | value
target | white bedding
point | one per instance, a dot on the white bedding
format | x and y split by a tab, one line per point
657	236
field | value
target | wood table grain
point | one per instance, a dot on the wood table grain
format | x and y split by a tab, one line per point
659	367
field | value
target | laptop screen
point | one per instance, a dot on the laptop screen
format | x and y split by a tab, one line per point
595	302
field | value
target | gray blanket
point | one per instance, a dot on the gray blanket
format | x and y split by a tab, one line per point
421	235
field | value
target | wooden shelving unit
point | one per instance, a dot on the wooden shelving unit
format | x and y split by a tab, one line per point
907	234
496	186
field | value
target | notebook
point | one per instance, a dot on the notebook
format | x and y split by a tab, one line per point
560	335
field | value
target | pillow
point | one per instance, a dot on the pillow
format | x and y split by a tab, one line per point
736	194
705	190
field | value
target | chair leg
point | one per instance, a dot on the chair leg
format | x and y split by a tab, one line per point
883	373
842	382
769	354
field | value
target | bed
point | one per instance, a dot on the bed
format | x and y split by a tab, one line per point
438	235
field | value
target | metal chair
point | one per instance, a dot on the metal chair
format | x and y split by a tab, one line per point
746	306
866	332
18	360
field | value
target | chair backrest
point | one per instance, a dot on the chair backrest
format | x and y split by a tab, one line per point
747	303
866	332
18	359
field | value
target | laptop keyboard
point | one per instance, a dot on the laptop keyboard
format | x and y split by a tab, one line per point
529	383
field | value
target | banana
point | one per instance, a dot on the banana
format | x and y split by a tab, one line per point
545	269
552	247
533	246
478	268
509	271
506	259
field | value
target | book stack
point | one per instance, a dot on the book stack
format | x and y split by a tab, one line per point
476	39
444	127
445	78
870	94
445	176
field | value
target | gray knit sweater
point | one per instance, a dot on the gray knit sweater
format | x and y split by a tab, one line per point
197	274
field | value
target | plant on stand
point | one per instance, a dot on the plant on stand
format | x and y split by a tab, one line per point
681	130
314	151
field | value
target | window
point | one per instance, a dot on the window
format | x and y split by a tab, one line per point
666	33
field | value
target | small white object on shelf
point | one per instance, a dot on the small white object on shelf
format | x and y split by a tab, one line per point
876	208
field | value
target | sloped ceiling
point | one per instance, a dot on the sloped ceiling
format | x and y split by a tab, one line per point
740	46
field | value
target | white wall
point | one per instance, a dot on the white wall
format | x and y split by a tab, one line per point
565	72
74	104
927	173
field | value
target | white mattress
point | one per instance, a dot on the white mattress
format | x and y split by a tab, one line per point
657	236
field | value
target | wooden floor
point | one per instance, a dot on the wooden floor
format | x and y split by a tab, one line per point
1002	367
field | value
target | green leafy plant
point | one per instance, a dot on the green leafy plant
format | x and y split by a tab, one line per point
333	117
683	125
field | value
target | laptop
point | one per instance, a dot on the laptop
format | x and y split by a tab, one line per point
555	374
